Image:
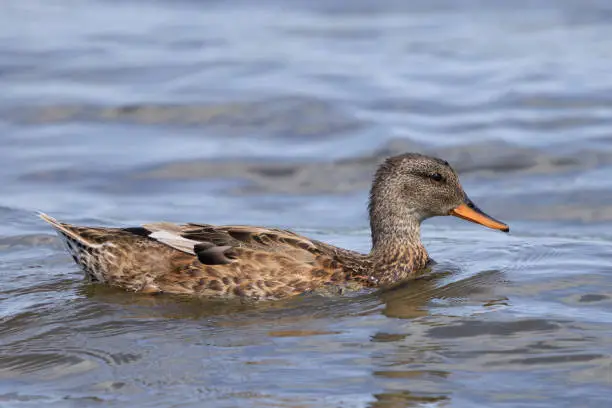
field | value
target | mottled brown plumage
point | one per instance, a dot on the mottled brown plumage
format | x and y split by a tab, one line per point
267	263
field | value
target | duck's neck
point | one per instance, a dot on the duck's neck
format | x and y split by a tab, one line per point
397	251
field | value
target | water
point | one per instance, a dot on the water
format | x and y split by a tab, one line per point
117	113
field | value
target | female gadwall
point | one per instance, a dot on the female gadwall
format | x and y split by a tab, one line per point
268	263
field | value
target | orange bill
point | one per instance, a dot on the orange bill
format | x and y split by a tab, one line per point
468	211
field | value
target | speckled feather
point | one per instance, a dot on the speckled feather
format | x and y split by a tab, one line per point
258	263
267	263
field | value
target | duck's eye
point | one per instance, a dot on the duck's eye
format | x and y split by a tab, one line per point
436	177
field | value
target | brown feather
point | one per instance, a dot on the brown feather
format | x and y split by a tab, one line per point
268	263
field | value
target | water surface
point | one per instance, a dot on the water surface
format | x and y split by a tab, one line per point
117	113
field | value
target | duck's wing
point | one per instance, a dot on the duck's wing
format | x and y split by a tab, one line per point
215	245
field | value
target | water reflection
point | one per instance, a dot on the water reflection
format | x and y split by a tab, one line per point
397	356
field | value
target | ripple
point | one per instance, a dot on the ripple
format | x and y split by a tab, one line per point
560	359
118	112
24	364
593	297
474	328
286	117
353	174
29	241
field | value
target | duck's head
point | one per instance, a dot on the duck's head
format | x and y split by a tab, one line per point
413	187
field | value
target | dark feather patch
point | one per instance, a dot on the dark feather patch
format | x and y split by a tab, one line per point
209	254
202	246
243	236
140	231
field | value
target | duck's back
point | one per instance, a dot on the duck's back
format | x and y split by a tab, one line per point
208	260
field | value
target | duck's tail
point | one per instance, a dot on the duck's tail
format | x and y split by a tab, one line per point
66	231
83	250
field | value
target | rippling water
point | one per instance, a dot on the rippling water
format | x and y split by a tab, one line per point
276	113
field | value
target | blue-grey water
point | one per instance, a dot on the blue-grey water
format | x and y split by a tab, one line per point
276	113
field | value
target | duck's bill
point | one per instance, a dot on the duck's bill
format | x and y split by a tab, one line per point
469	211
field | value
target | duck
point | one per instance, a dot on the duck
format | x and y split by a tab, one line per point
259	263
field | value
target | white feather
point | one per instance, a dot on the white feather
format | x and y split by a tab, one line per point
175	241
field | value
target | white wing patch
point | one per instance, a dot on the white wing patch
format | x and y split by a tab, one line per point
175	241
